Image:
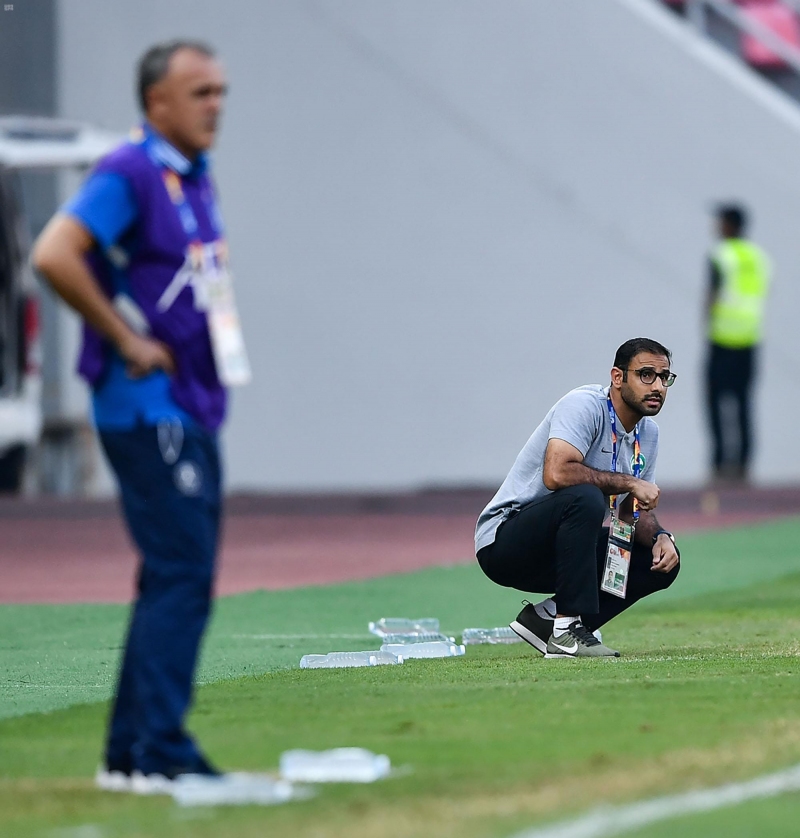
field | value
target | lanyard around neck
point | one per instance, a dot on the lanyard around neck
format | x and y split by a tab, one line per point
174	187
637	458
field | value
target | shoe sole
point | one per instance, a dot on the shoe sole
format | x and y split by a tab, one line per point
114	781
150	784
587	657
529	637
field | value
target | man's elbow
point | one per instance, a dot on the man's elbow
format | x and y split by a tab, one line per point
61	241
48	252
553	478
43	258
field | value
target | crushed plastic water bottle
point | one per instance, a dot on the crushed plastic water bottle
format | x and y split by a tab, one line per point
501	634
341	660
403	625
435	649
340	765
235	789
422	637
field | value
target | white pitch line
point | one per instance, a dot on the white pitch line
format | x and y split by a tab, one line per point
615	820
88	830
55	686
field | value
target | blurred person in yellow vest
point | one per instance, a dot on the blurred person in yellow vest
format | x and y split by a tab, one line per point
739	279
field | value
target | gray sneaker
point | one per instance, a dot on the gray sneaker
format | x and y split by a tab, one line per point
577	642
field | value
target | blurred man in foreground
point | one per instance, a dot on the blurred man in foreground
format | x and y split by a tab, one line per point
738	283
543	530
140	254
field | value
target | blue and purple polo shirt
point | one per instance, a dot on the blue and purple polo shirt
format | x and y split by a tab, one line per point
143	233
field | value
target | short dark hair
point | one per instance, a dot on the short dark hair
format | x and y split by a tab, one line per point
634	346
734	215
154	64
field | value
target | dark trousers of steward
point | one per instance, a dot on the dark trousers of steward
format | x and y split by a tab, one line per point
557	545
730	375
172	507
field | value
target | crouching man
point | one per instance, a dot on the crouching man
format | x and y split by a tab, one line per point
543	531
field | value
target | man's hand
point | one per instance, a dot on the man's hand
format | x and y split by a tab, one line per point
646	493
665	556
143	355
60	254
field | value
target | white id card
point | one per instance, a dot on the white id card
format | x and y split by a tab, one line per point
227	341
620	531
615	570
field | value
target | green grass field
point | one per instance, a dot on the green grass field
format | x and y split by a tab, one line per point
708	691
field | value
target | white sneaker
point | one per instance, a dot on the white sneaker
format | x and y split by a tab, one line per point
150	783
112	780
161	784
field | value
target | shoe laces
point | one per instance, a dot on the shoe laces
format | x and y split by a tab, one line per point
582	634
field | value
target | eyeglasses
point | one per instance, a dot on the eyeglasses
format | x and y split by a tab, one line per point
647	375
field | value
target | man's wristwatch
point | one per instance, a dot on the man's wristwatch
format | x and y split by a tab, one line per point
670	536
667	533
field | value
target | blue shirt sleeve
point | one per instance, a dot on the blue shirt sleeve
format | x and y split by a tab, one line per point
105	205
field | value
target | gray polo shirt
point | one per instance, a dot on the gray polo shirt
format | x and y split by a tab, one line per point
581	419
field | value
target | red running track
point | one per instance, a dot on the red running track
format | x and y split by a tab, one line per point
57	552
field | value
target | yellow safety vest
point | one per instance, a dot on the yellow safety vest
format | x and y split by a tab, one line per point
738	311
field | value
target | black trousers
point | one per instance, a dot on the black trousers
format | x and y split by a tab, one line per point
557	544
729	376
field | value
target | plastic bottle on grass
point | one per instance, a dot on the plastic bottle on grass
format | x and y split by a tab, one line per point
341	660
339	765
404	625
422	637
235	789
435	649
501	634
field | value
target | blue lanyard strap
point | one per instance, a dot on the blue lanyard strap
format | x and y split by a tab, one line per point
637	455
174	187
164	157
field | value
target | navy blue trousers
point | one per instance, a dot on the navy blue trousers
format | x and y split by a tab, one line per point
169	480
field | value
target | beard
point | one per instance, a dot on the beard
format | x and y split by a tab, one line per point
640	405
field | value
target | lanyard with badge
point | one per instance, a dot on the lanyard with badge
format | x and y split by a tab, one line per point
208	265
620	540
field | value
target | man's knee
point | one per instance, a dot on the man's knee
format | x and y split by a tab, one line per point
673	574
588	499
664	580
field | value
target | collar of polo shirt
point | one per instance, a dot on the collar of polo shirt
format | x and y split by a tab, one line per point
163	153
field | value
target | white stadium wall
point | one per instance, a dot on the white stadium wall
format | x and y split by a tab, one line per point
445	215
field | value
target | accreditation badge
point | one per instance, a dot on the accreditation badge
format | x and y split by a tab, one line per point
618	558
227	340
